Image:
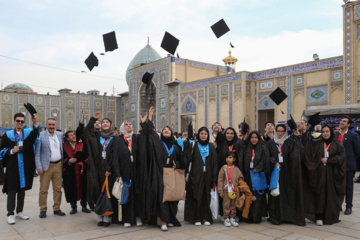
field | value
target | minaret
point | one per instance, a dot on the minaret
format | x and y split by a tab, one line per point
230	62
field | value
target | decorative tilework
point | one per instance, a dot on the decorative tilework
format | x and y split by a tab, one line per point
298	90
266	85
261	95
282	83
237	88
183	95
188	106
201	93
180	61
266	103
132	107
211	81
356	12
317	94
256	113
230	106
224	90
248	87
217	104
202	65
206	107
299	81
212	92
347	53
163	102
336	85
308	67
337	75
289	92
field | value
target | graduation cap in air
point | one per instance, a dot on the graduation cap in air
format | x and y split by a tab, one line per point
30	108
190	131
147	77
314	119
170	43
244	127
220	28
291	123
92	61
110	41
278	96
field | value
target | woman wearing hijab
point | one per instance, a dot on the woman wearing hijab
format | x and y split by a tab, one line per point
203	175
324	177
256	158
284	152
102	161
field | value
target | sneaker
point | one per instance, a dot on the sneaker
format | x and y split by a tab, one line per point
206	223
139	222
233	222
22	216
170	225
11	219
319	222
127	225
227	222
163	228
197	223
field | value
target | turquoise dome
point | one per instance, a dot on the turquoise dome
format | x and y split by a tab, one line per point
18	86
145	55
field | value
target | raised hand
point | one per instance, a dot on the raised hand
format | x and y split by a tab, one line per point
34	119
151	112
97	115
143	119
84	117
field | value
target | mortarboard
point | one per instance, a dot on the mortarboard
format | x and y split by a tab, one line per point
30	108
278	96
314	119
244	127
92	61
110	41
220	28
170	43
147	78
291	123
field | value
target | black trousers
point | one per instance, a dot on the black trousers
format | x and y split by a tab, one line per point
349	188
11	198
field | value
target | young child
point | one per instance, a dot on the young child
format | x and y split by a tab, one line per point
228	179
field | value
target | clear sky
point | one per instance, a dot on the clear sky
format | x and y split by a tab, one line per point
61	34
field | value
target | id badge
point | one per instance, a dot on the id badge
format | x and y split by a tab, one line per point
204	168
167	161
131	158
20	143
103	154
327	154
229	189
251	165
280	158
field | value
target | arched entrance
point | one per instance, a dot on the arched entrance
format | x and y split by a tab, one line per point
147	98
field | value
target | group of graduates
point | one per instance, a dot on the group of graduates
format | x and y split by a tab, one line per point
311	181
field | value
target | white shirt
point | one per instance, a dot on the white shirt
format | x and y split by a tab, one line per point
55	148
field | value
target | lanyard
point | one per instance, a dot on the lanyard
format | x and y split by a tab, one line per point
327	147
19	135
128	143
230	173
253	155
279	146
231	148
106	143
169	151
341	137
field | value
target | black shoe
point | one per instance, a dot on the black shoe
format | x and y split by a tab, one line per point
59	212
347	211
86	210
73	211
42	214
106	224
36	175
357	180
100	224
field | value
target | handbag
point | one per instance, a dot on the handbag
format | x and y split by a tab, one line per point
258	181
274	182
103	205
125	194
214	202
117	189
174	185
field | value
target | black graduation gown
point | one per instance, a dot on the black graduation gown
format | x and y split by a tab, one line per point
197	204
2	173
288	206
323	186
258	208
10	162
97	166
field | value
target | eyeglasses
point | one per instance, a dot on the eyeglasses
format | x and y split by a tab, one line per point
19	121
127	124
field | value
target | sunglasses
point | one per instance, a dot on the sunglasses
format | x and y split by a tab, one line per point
127	124
19	121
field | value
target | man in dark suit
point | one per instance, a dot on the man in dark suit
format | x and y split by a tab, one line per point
351	142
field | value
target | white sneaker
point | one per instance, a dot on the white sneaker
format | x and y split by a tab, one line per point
22	216
233	222
170	225
138	222
163	228
127	225
206	223
227	222
319	222
11	219
222	219
197	223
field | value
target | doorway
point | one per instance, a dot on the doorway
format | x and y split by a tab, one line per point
265	116
186	120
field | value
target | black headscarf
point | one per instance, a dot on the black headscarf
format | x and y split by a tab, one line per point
234	139
206	142
170	141
332	135
249	139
